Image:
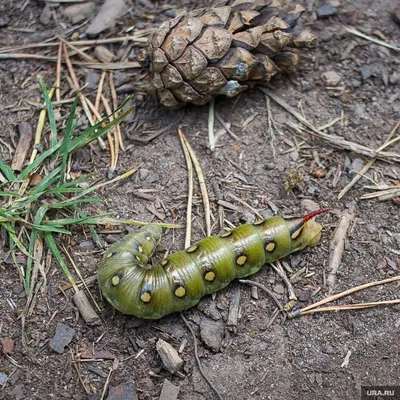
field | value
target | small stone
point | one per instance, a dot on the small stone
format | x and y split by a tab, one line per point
303	295
331	78
326	11
335	3
309	205
62	338
8	346
365	72
124	391
169	391
45	16
92	79
269	166
79	12
279	288
355	167
110	12
295	260
394	78
212	333
143	173
209	308
86	245
18	392
396	15
3	378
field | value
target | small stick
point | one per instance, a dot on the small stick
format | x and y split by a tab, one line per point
376	41
115	106
190	189
24	144
116	141
277	266
202	183
226	127
248	282
198	359
211	119
78	51
336	247
246	204
58	72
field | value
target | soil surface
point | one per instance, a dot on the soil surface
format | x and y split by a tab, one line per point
322	356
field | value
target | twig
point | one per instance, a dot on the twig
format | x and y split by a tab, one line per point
198	359
371	162
116	139
211	119
277	266
336	247
202	183
190	189
329	299
246	204
232	320
100	91
226	127
371	39
269	292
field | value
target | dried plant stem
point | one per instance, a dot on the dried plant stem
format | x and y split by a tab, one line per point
277	266
211	119
266	290
189	165
116	139
100	91
202	183
115	105
82	98
58	72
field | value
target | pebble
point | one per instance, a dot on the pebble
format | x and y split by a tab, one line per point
62	338
3	378
309	205
303	295
86	245
356	166
394	78
124	391
295	260
110	12
331	78
212	333
209	308
279	288
79	12
326	11
8	346
4	21
92	79
45	16
169	356
365	72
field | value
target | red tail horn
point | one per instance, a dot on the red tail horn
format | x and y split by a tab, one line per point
313	214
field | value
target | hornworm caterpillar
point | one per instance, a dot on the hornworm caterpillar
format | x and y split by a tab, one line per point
183	278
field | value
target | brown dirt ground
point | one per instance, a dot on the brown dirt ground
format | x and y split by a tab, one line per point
296	359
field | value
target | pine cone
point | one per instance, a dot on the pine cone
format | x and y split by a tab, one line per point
220	51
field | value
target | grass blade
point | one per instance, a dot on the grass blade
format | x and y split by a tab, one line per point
50	112
7	172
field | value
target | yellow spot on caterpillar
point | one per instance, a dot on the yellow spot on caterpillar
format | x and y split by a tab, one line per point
180	291
260	222
296	233
241	260
192	249
145	297
148	238
140	248
164	263
270	246
115	280
209	276
226	234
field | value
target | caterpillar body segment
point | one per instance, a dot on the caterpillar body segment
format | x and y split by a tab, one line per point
183	278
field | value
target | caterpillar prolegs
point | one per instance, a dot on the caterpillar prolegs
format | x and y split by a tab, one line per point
183	278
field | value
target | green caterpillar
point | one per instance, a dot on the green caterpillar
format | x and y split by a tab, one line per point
183	278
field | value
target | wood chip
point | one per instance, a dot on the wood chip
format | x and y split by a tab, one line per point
169	356
8	346
85	308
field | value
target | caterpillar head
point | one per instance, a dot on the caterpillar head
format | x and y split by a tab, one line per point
305	231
